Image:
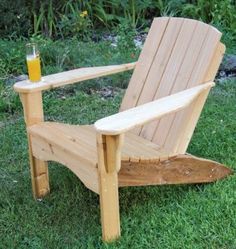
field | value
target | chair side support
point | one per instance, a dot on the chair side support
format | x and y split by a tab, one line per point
33	114
109	161
194	112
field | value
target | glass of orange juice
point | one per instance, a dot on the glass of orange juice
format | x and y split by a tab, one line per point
33	62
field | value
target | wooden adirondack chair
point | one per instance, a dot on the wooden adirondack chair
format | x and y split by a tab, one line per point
145	143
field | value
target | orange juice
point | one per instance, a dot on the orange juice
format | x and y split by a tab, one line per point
34	69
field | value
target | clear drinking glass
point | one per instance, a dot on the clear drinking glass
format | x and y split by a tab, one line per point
33	62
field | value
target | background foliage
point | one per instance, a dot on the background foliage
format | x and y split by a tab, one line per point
62	19
60	27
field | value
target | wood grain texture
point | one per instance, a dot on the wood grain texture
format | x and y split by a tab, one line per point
215	62
180	59
46	150
70	77
190	120
81	141
179	122
162	83
159	65
173	82
75	147
113	152
33	114
108	186
51	143
140	115
146	58
169	130
181	169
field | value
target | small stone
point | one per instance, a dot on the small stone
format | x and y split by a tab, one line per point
21	77
107	92
13	79
222	74
228	66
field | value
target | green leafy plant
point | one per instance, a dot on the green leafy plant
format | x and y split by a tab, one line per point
74	22
168	8
65	19
125	37
222	14
14	19
45	20
12	56
136	11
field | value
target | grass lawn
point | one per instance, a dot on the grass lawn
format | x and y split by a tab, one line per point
193	216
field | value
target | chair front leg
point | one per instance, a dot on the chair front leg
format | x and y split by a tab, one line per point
33	114
109	161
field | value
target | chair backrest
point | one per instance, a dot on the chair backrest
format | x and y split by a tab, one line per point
178	54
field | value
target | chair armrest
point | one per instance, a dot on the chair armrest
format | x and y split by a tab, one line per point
70	77
140	115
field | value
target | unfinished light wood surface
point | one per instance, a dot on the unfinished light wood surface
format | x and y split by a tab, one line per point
198	71
140	115
33	114
75	147
109	159
179	62
73	76
181	169
180	134
144	144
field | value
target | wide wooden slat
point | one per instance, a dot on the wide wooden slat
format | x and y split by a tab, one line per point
144	63
44	149
180	60
163	126
80	141
190	123
158	68
83	133
177	124
57	138
181	169
140	115
215	62
70	77
169	61
75	147
161	60
191	118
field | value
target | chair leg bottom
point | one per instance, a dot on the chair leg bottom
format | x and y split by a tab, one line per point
181	169
109	206
39	178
